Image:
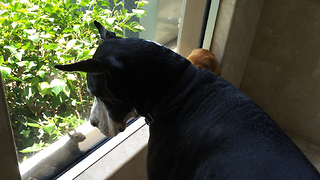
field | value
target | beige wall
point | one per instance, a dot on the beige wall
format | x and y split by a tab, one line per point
283	71
235	29
236	24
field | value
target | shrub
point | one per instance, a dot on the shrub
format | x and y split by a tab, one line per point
37	34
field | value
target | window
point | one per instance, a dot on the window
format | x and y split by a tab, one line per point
34	133
162	25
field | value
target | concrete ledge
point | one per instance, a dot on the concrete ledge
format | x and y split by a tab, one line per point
123	157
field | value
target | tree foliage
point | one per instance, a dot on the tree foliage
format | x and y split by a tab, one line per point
37	34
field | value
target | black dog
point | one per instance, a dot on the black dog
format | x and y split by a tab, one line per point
201	126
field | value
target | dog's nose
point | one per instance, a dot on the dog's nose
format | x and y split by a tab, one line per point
93	121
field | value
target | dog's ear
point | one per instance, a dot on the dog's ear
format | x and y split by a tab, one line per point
104	33
89	66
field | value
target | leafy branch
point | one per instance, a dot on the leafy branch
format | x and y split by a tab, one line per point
36	35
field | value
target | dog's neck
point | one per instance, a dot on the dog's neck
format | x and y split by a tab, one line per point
161	105
141	63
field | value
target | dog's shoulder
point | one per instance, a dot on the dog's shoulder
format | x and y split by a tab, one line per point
229	134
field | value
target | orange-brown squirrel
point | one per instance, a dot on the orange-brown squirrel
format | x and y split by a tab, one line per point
203	58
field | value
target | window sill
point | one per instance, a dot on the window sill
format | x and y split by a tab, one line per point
118	153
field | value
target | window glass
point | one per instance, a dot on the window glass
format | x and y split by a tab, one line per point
49	109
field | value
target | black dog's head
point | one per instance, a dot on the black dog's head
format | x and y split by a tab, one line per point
127	76
108	113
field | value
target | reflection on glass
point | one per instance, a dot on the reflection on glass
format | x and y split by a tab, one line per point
63	157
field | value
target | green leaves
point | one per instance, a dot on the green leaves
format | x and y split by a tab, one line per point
49	128
138	12
34	148
35	36
1	60
43	88
141	3
57	86
67	57
104	3
51	46
5	71
17	53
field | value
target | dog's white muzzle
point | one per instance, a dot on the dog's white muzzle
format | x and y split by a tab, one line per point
99	117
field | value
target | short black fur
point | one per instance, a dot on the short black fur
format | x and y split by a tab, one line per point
210	130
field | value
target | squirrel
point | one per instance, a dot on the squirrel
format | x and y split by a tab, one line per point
61	159
203	58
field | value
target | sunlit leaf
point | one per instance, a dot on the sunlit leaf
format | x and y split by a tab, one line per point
141	3
57	85
43	87
5	71
6	22
52	46
76	28
23	63
22	10
34	81
11	47
139	12
25	133
71	43
35	38
54	135
4	5
84	2
41	73
104	3
1	60
30	31
68	29
41	133
92	51
49	128
45	36
49	8
66	91
19	54
36	147
29	91
26	45
33	8
67	57
71	77
74	102
68	3
33	124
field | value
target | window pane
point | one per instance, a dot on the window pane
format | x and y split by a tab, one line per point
47	105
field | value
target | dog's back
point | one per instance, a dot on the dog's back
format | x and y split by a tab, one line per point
216	132
202	127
